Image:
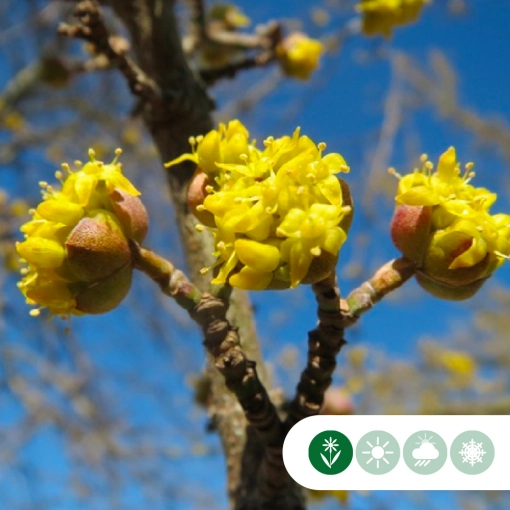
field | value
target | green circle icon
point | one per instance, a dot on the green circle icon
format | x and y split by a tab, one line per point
377	452
472	452
425	452
330	452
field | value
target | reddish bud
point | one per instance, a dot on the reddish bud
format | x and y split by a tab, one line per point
131	214
196	196
410	231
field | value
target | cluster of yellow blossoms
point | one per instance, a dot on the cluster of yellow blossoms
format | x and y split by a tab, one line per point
76	246
299	55
279	215
381	16
443	224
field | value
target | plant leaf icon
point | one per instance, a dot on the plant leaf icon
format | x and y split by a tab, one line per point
326	460
336	457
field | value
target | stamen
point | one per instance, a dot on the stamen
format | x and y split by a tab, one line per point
118	152
392	171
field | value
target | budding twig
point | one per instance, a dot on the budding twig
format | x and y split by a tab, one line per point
385	280
93	30
220	339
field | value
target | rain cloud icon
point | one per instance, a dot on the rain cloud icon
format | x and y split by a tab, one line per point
425	453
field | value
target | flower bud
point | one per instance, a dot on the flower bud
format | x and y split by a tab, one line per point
131	214
107	294
77	244
382	16
96	247
299	55
442	224
196	195
410	231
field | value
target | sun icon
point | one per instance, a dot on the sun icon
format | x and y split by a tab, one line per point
378	452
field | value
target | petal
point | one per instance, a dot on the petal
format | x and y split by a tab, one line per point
333	240
300	260
476	253
42	253
250	279
260	257
226	269
61	211
331	190
180	159
418	195
208	152
447	166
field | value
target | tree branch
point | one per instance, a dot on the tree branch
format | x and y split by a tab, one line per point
240	374
210	76
386	279
324	343
93	30
220	339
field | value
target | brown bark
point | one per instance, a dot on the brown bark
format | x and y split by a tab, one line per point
185	110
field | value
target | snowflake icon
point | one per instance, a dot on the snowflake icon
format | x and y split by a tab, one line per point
472	452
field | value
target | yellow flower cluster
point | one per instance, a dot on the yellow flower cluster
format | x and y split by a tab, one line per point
452	238
299	55
76	244
279	215
381	16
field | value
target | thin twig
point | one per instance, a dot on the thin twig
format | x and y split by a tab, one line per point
210	76
386	279
324	343
93	30
220	339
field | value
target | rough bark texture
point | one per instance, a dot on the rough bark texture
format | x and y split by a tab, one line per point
184	111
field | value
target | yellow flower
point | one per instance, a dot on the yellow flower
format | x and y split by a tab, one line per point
442	223
76	245
279	215
381	16
299	55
